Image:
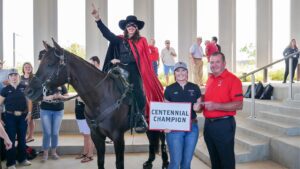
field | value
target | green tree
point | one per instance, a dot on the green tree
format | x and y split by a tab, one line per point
250	51
77	50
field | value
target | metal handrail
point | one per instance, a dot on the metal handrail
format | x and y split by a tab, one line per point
268	65
263	68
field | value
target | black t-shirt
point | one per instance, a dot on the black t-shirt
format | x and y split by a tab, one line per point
190	94
79	110
55	106
15	99
24	81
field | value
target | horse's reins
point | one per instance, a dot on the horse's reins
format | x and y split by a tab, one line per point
62	64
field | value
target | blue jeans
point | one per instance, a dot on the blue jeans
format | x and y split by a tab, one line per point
51	121
168	69
155	67
16	125
181	147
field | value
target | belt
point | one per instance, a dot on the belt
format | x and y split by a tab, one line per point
16	113
218	118
194	121
198	58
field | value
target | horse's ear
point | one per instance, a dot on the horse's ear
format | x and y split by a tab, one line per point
46	45
56	45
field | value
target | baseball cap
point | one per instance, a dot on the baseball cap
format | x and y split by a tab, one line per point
180	65
13	71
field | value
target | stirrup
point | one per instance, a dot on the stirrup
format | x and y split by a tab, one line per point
141	125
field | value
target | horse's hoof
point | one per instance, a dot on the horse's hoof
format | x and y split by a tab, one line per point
165	165
147	165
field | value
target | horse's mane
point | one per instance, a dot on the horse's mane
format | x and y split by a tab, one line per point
86	63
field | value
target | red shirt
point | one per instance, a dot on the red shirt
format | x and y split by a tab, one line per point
222	89
210	49
153	53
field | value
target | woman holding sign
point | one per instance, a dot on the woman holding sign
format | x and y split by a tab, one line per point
182	143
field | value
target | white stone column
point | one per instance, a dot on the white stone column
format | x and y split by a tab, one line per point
295	27
144	10
227	31
1	30
187	29
44	25
263	32
295	21
96	44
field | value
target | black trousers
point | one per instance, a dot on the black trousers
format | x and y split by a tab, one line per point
287	65
219	138
135	79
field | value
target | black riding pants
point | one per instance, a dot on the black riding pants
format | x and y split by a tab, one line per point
135	79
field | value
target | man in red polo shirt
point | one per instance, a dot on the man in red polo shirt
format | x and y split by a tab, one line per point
223	96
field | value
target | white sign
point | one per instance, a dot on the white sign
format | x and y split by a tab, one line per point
170	116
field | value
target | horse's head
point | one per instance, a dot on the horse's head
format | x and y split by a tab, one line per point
51	72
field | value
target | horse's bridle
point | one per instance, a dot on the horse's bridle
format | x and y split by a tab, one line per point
62	65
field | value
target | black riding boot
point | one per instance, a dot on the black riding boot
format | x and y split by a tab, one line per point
148	163
141	125
164	156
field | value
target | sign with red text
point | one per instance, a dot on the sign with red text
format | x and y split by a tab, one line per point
170	116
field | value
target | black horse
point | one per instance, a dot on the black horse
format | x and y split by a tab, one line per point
106	112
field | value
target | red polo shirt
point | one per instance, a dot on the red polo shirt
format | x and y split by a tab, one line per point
153	53
210	49
222	89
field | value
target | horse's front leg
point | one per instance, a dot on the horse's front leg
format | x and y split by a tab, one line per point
99	141
119	146
164	154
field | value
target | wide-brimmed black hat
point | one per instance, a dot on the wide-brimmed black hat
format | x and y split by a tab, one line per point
131	19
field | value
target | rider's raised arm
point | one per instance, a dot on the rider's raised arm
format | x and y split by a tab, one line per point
104	30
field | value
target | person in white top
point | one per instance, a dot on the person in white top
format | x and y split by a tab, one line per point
168	56
197	54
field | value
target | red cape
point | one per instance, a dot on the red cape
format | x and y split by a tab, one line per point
152	87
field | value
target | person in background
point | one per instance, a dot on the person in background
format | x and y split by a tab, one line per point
291	48
197	54
168	55
223	97
94	60
182	144
154	55
88	145
15	118
215	40
51	117
25	78
210	48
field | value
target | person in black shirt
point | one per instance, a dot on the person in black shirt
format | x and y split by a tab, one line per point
51	118
17	114
25	78
182	143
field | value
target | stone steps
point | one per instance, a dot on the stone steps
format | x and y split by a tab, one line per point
279	127
280	117
201	152
286	151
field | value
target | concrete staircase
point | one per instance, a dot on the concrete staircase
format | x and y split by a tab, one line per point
273	135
